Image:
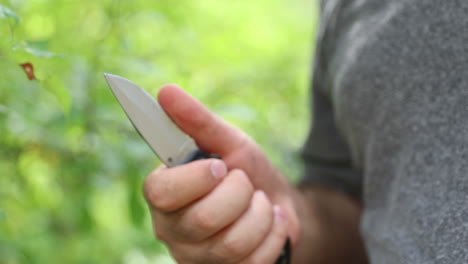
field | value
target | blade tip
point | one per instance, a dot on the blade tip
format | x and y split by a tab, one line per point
111	78
108	75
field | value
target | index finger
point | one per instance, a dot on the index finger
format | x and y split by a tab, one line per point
169	189
212	134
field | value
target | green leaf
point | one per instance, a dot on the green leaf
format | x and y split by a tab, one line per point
40	53
7	13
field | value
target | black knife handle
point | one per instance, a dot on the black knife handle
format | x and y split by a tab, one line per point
199	155
285	257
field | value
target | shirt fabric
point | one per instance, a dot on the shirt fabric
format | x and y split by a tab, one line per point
390	128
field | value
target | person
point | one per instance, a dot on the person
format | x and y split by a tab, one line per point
385	162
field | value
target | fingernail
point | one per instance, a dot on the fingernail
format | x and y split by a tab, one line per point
218	169
279	213
260	192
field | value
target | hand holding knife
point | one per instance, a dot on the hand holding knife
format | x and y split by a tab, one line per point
171	145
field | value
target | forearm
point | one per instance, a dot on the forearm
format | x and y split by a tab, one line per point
330	227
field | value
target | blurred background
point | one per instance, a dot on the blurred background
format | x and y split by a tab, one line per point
71	164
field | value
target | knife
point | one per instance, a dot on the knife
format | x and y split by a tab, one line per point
171	145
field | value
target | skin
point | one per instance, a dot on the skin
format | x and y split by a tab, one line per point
241	209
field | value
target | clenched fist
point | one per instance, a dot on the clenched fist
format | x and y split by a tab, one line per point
235	210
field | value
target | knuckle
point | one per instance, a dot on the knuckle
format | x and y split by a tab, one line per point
242	179
156	194
148	187
163	203
232	248
205	220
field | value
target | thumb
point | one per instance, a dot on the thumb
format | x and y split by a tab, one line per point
212	134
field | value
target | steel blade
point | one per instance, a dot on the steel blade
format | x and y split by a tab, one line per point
172	146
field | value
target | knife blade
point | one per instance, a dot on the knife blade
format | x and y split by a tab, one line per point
171	145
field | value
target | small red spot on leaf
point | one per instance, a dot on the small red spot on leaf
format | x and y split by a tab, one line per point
29	70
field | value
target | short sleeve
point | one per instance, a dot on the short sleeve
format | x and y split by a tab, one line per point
326	156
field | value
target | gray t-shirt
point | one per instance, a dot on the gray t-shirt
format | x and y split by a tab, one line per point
390	95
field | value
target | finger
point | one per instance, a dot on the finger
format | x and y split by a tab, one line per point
246	234
213	212
271	248
211	133
169	189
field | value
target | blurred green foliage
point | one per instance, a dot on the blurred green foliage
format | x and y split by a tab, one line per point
72	166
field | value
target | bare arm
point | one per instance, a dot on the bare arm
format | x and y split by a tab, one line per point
330	227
